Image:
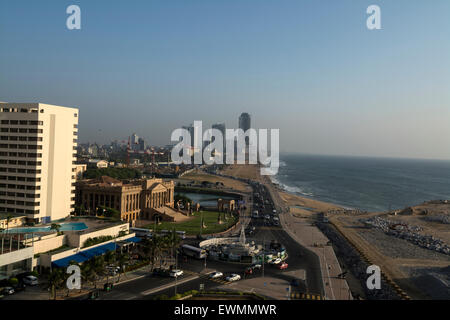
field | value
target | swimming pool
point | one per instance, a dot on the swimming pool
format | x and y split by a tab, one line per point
70	226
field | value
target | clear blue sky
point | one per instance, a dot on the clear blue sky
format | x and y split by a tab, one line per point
310	68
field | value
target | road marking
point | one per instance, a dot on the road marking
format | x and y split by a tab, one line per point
167	286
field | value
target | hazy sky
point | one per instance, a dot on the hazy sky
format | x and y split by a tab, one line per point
310	68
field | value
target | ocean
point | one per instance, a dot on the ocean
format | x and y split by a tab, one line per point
369	184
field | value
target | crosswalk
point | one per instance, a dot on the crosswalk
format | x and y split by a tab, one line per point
305	296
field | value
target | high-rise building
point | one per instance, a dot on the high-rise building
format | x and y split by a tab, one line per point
37	160
244	121
141	143
134	142
221	128
245	124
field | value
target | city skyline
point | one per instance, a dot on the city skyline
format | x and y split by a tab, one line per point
313	70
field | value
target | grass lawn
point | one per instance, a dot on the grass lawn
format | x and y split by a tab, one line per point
192	226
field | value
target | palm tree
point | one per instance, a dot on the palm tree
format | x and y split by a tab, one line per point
56	227
173	242
8	219
152	249
122	260
55	279
110	258
87	273
100	266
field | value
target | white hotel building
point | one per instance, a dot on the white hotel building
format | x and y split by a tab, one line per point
37	160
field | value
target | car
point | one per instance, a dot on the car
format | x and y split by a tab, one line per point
19	287
113	268
283	266
215	275
276	261
8	291
256	266
233	277
31	280
176	273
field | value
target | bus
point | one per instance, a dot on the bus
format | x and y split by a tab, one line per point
141	233
194	252
181	234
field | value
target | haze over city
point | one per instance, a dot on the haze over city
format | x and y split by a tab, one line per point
312	69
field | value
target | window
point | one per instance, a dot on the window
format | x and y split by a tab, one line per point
5	121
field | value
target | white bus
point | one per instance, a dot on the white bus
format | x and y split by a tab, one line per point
181	234
142	233
194	252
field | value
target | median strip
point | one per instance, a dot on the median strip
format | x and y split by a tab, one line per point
167	286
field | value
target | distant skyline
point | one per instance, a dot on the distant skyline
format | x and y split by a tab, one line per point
310	68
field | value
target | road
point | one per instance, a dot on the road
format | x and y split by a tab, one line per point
195	273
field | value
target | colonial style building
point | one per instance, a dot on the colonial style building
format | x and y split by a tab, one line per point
135	199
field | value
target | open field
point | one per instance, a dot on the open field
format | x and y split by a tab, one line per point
192	225
200	176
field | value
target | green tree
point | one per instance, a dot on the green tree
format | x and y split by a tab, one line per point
55	281
122	259
56	227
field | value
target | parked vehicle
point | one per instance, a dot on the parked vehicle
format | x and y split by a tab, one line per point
233	277
256	266
216	275
8	291
31	280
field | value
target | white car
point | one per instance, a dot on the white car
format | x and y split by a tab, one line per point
276	261
233	277
176	273
30	280
256	266
216	275
8	290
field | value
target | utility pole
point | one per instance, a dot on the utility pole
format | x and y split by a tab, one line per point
264	254
176	268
